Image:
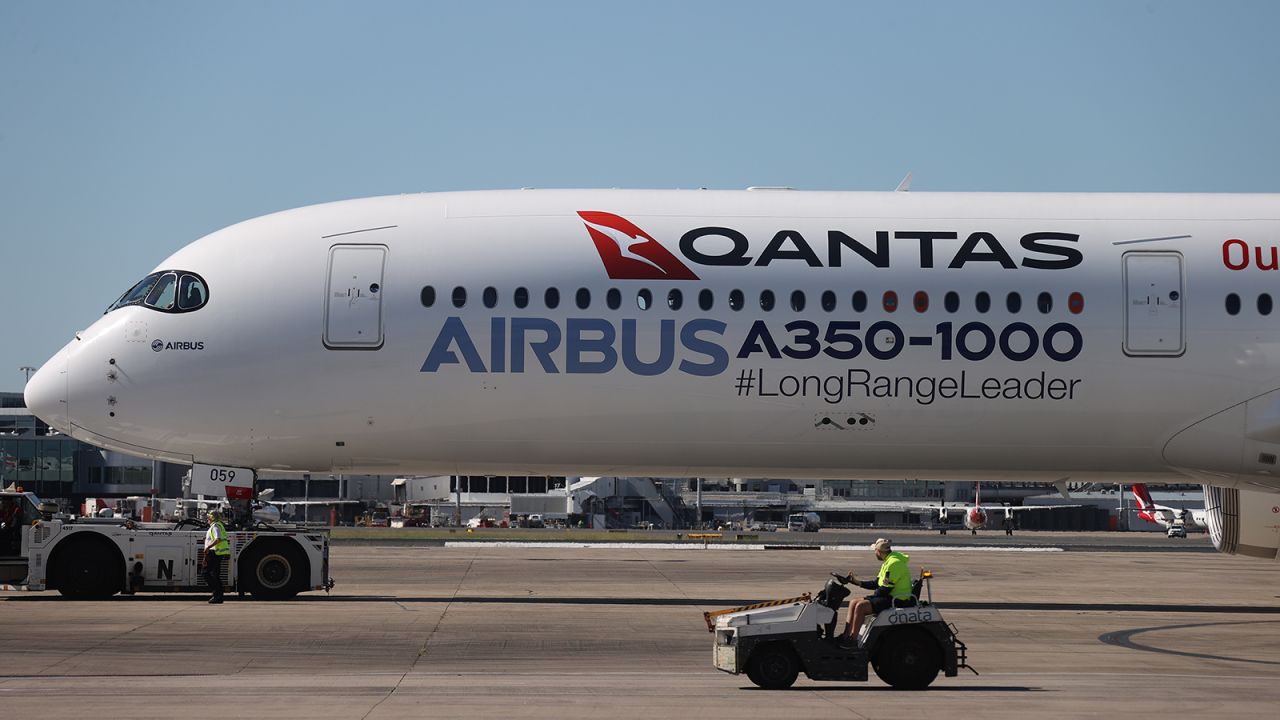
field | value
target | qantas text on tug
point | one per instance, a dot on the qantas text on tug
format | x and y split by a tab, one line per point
694	333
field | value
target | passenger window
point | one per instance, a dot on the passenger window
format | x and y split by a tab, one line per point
1014	302
459	296
163	292
583	298
1233	304
520	297
766	300
675	299
890	301
736	300
951	301
613	298
490	297
921	301
1044	302
1075	303
859	301
828	300
552	298
982	302
797	300
1264	304
644	299
705	299
428	295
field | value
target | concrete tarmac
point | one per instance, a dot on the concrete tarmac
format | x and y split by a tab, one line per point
481	631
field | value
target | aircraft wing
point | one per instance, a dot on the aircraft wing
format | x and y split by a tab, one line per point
1024	508
896	507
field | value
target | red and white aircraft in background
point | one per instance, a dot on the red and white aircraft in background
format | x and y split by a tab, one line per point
1168	517
974	517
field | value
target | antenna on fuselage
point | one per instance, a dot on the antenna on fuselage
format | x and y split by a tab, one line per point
905	185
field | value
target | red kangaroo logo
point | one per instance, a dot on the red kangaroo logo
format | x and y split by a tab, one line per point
630	253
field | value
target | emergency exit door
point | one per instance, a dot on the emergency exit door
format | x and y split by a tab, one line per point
353	308
1153	298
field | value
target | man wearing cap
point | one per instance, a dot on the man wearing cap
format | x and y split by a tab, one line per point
893	582
216	550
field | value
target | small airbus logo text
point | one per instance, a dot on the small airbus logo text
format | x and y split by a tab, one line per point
159	345
630	253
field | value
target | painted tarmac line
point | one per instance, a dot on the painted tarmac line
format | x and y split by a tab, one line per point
738	546
956	548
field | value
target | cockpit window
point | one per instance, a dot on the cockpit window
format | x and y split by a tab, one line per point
171	291
137	293
163	292
191	293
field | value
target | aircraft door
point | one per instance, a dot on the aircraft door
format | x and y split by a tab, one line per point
353	297
1153	299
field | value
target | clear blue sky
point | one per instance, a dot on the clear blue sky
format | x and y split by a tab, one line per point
128	129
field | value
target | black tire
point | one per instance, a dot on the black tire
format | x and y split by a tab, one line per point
88	570
273	571
773	667
907	659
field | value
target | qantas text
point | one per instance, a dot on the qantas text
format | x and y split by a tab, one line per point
729	247
700	347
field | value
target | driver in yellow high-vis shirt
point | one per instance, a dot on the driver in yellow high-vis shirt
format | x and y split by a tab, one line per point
893	582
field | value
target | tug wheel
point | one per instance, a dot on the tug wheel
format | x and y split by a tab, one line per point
907	659
87	569
272	571
773	667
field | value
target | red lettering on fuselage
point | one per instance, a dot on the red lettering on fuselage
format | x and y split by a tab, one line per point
1238	255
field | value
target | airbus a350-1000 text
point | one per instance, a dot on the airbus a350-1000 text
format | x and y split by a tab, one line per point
1120	338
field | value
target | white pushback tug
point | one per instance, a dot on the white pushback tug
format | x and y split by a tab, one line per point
99	557
773	642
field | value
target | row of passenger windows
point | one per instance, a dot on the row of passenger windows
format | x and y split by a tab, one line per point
797	300
1264	304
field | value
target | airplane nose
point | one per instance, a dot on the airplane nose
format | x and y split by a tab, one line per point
46	393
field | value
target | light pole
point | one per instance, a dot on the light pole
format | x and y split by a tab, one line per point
26	370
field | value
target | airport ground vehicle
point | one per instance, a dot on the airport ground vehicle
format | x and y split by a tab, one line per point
1177	531
774	642
100	557
377	517
804	522
411	515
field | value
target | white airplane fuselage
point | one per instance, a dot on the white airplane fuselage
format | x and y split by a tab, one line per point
331	340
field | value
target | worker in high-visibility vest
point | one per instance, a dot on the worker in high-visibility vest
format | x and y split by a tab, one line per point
216	550
892	583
